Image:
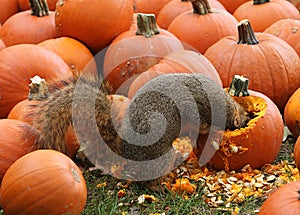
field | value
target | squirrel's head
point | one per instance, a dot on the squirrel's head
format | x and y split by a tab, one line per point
239	119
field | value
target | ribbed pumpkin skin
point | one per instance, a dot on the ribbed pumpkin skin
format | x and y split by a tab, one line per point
21	62
276	10
23	27
292	113
272	66
43	182
14	142
283	201
288	30
93	22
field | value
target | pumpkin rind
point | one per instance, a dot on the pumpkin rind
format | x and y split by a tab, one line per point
43	182
292	113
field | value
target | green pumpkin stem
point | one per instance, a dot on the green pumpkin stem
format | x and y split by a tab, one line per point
260	1
146	25
246	33
201	7
39	8
239	86
38	89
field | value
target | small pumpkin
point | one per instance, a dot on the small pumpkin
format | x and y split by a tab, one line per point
256	144
173	8
74	53
17	138
177	61
200	28
288	30
43	172
292	113
255	11
95	23
30	26
21	62
134	51
284	200
270	63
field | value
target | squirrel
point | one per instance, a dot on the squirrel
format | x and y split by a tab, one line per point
155	117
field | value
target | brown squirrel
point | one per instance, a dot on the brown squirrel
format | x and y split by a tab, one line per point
154	119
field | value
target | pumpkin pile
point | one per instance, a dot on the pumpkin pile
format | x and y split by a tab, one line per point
127	43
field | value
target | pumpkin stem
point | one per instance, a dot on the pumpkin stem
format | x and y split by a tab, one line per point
239	86
246	33
146	25
38	89
39	8
260	1
201	7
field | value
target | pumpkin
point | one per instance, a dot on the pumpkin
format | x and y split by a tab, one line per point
297	152
21	62
2	45
74	53
176	7
25	5
8	8
144	6
134	51
16	139
288	30
256	144
30	26
232	5
203	26
270	63
43	182
255	11
296	3
95	23
284	200
177	61
292	113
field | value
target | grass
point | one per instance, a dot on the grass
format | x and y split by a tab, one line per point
105	200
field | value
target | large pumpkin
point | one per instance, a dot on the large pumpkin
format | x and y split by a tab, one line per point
283	201
7	9
30	26
74	53
288	30
16	139
43	182
203	26
270	63
256	11
134	51
173	8
21	62
256	144
186	61
292	113
93	22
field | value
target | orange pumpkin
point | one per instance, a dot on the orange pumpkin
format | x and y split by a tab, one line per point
21	62
297	152
134	51
256	144
173	8
74	53
270	63
288	30
200	28
43	182
30	26
93	22
255	11
177	61
292	113
284	200
16	139
7	9
24	4
145	6
232	5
